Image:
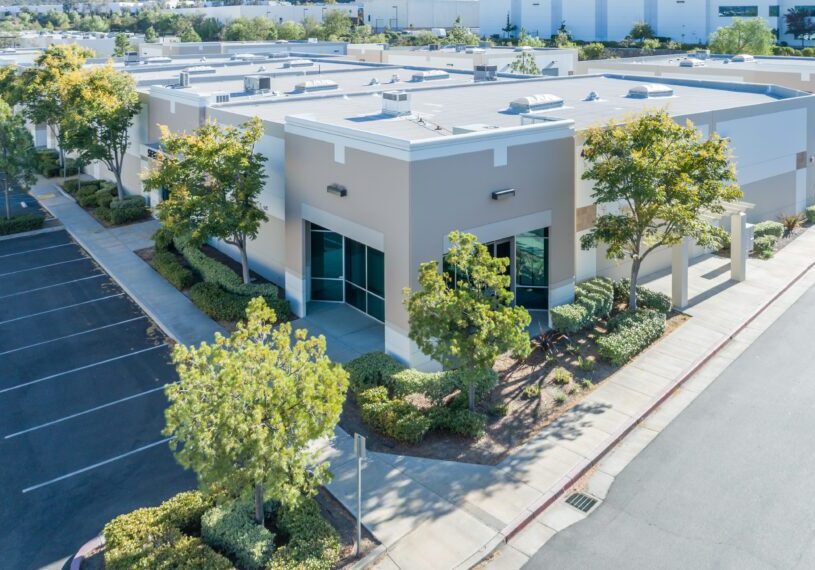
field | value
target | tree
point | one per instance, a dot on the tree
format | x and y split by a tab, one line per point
509	28
525	39
247	406
336	25
42	87
188	34
289	30
592	51
656	180
525	63
649	45
463	317
458	34
17	158
10	88
122	43
150	35
101	103
799	23
214	177
641	31
743	36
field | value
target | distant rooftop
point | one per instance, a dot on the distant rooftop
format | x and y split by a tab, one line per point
587	100
759	63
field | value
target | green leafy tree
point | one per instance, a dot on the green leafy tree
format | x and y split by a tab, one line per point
458	34
10	87
101	103
214	177
592	51
188	34
743	36
641	31
247	406
289	30
43	89
525	63
649	45
525	39
336	25
17	158
799	23
509	28
656	181
122	45
464	317
150	35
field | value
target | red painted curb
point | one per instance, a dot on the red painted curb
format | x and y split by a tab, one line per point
87	548
575	474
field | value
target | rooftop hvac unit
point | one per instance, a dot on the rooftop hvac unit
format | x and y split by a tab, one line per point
742	58
247	57
434	47
650	91
316	85
691	62
298	63
486	73
200	70
430	75
221	97
183	79
158	59
131	57
257	83
395	103
534	103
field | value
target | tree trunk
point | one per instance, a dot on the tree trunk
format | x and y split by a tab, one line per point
259	503
471	395
632	288
120	191
244	261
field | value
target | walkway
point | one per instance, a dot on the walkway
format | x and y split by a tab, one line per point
113	249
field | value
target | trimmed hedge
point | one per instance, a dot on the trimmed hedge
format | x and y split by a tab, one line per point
460	421
631	334
223	305
128	209
397	418
570	318
104	197
213	271
169	267
764	246
810	214
162	239
312	543
231	530
768	228
371	369
86	196
596	294
21	223
646	298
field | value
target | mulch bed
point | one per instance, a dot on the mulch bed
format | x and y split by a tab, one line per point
525	416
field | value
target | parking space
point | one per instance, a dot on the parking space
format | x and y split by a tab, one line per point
19	202
82	372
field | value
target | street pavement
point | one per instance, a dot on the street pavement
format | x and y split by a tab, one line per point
729	483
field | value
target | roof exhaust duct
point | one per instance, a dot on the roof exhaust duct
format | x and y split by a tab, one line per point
395	103
184	79
485	73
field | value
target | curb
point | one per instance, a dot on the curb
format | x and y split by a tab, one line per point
33	232
511	530
93	544
369	559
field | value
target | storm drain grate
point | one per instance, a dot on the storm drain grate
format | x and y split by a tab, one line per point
581	502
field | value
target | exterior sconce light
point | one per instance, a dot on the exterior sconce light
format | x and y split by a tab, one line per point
337	190
503	194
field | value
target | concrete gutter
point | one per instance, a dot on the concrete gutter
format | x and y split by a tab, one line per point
93	544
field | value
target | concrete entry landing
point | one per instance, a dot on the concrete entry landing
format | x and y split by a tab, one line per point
348	332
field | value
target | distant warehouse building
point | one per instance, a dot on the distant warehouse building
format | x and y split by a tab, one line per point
369	167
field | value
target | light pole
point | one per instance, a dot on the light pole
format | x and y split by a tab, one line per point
361	454
396	25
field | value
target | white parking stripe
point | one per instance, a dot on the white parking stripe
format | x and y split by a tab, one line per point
88	411
73	335
38	249
27	291
80	368
61	308
43	266
95	465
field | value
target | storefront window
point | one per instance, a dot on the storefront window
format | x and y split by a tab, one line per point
531	269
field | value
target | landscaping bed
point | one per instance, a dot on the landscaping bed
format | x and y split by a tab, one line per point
770	236
530	393
21	223
99	198
210	279
194	531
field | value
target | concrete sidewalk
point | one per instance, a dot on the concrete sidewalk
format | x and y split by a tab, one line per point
113	249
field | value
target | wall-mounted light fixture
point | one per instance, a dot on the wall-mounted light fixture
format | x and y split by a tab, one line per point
337	190
503	194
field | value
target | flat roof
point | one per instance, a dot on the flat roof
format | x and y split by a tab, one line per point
436	111
787	64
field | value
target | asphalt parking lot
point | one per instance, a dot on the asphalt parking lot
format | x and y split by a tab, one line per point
19	202
82	371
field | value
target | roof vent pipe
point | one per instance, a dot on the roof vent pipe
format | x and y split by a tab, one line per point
184	79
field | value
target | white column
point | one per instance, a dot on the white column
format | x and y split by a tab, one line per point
679	273
296	293
738	246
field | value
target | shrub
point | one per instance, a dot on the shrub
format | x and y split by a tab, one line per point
181	553
169	267
791	222
72	185
560	398
768	228
184	511
459	421
597	295
808	52
213	271
162	239
810	214
434	385
226	306
561	376
410	427
586	384
231	530
500	409
372	369
128	209
764	246
632	333
312	543
646	298
103	197
21	223
532	391
86	196
396	418
570	318
586	364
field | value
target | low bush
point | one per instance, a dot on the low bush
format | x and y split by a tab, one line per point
372	369
72	185
231	530
223	305
213	271
597	295
128	209
103	197
162	239
462	422
395	418
791	222
180	552
646	298
167	264
311	542
570	318
561	376
768	228
21	223
532	391
560	398
86	196
434	385
631	334
810	214
764	246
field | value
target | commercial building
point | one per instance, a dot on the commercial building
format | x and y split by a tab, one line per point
371	166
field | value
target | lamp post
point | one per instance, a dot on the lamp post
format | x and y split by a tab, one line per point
396	25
